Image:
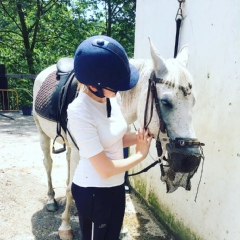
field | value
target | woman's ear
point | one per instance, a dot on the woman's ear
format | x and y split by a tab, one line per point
94	89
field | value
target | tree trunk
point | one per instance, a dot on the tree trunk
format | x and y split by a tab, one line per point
109	18
26	41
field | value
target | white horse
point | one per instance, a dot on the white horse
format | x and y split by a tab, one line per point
176	101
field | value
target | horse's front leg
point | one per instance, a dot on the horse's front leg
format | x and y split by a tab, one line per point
65	231
45	141
68	157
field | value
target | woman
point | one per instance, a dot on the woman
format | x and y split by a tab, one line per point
97	124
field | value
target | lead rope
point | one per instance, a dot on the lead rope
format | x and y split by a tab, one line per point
203	157
178	20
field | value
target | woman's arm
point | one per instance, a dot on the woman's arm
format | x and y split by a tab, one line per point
107	167
129	139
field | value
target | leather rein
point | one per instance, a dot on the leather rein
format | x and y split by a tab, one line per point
154	99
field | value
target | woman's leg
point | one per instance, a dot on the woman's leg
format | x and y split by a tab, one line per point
84	200
100	208
108	213
117	214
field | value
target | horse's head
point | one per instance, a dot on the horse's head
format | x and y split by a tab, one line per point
172	120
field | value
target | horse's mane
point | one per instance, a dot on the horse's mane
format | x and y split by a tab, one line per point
177	74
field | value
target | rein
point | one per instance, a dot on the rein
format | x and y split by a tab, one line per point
154	99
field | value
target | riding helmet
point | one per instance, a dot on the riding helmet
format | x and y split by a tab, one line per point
101	61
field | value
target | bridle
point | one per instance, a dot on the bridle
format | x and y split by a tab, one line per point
175	145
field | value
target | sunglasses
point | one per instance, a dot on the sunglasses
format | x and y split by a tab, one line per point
111	90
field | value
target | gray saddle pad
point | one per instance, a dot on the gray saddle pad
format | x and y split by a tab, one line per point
54	96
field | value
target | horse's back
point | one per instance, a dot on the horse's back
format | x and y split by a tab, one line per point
41	77
48	127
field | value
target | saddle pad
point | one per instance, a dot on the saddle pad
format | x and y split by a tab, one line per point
44	104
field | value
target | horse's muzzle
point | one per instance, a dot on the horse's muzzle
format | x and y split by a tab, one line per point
184	154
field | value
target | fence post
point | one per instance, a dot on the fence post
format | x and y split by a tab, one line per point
3	85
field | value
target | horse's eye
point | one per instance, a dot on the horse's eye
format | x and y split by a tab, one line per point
166	103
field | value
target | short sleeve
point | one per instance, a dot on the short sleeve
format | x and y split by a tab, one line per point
83	128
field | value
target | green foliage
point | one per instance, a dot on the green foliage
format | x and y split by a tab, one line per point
24	88
35	34
115	18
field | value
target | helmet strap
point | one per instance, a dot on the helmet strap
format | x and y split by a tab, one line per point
99	93
109	108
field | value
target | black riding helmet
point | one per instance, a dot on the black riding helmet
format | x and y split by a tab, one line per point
102	62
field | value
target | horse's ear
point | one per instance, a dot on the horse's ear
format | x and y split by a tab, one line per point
182	56
158	61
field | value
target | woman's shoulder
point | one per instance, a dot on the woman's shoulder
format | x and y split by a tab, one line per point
80	105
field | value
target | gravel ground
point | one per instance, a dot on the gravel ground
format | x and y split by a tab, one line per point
23	190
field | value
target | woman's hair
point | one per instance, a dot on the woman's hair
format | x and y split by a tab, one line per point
81	87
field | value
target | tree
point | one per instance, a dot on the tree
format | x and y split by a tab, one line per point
35	33
30	29
32	37
114	18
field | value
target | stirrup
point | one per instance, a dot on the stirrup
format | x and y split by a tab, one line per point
60	150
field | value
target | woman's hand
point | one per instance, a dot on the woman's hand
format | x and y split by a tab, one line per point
107	168
144	139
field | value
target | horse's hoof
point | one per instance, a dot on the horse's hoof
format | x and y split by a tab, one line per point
52	207
65	234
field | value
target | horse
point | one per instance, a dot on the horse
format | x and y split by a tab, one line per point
164	93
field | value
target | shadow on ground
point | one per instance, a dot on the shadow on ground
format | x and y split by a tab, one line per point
24	184
45	224
17	123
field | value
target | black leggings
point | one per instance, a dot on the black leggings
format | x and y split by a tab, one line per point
100	210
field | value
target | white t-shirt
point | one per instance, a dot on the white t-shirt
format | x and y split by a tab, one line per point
95	132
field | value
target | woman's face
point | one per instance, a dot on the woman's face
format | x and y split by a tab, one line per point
109	93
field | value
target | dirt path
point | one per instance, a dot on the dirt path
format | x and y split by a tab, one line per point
23	190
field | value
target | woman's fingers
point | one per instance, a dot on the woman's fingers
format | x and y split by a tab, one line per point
149	139
143	134
140	133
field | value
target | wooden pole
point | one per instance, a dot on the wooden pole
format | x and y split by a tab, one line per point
3	79
3	85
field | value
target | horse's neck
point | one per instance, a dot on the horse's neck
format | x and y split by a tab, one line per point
129	106
130	98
